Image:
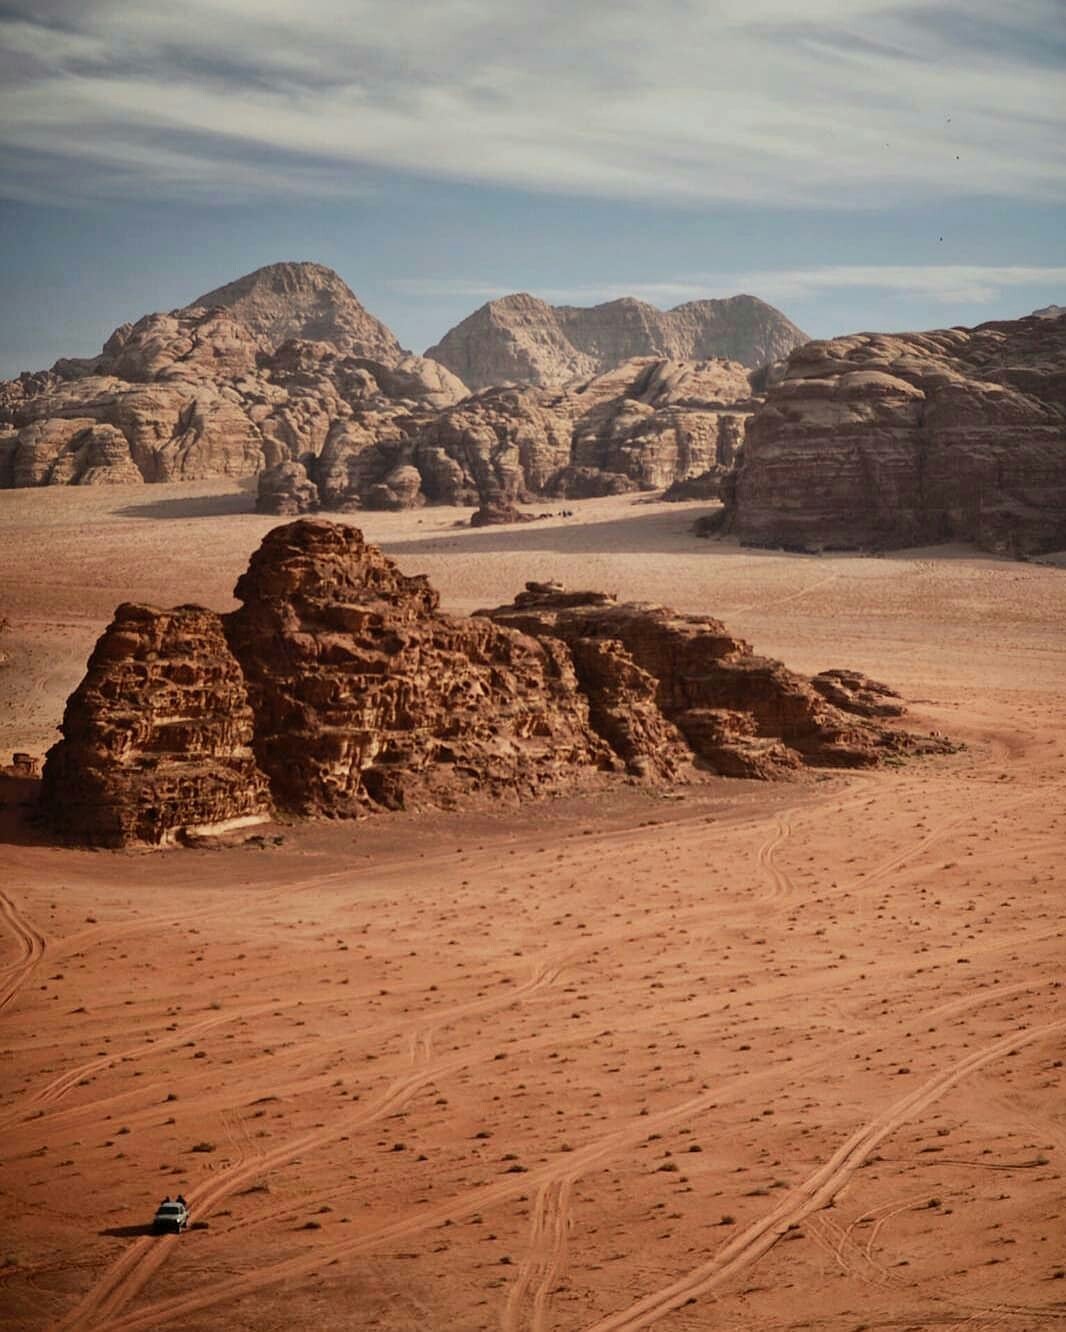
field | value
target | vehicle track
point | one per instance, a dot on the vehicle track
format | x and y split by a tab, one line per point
545	1257
31	945
780	882
575	1165
136	1266
814	1193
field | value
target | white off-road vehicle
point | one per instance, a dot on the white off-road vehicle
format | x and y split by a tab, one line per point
172	1216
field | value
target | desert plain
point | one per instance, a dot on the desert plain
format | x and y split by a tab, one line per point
730	1055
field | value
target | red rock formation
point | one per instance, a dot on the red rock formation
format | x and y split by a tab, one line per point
157	737
741	714
881	440
642	425
365	695
341	685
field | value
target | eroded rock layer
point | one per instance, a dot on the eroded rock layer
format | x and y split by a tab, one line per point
339	687
643	425
258	373
882	440
741	714
365	695
157	737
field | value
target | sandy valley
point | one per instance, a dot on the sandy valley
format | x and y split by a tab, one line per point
736	1055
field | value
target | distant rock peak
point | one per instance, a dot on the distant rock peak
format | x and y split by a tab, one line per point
522	339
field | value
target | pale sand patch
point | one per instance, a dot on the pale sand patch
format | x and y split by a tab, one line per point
483	1042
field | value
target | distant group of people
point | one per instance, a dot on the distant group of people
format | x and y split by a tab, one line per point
179	1199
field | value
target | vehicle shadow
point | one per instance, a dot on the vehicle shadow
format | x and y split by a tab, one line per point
127	1232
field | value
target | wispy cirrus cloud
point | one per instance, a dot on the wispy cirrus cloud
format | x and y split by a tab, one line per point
855	103
952	284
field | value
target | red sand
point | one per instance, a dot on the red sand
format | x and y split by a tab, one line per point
727	1057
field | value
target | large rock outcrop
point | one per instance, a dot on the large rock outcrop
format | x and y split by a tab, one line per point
740	714
520	339
157	737
641	426
339	688
365	695
260	372
887	440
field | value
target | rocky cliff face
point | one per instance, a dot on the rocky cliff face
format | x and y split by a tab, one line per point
157	737
366	696
255	374
339	688
741	715
520	339
881	440
641	426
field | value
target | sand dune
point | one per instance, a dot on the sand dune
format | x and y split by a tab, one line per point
738	1056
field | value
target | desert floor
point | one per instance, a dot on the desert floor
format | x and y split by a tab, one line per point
729	1056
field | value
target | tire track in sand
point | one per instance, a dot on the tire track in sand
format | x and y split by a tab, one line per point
485	1196
545	1256
780	882
31	944
135	1267
814	1193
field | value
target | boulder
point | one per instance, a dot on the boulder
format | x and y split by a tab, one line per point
286	489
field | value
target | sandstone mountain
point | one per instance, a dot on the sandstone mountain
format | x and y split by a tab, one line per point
644	425
882	440
520	339
339	688
263	374
305	301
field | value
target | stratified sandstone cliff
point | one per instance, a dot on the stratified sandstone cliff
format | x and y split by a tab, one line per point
257	373
520	339
641	426
339	688
881	440
157	737
741	714
365	695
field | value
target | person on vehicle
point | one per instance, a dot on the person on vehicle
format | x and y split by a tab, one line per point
181	1198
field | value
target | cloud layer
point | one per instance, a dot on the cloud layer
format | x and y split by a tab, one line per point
836	103
952	284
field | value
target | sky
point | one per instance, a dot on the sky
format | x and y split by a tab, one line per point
862	164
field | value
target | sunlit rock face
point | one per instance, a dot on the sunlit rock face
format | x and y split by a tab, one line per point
254	374
520	339
882	440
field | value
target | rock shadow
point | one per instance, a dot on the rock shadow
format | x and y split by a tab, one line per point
195	506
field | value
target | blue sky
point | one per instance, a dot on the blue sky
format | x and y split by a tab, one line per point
867	165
